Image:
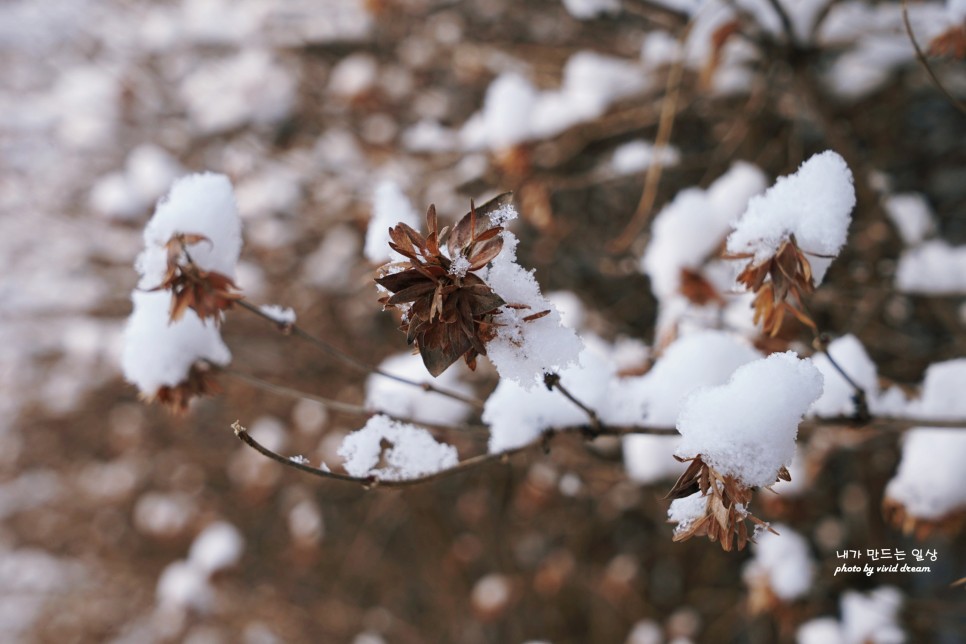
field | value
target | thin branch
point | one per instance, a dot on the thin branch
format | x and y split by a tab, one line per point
352	361
884	424
786	21
925	62
370	482
338	405
859	396
552	381
652	178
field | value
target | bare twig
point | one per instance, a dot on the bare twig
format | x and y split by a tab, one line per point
786	21
338	405
352	361
859	396
552	381
925	62
653	176
370	482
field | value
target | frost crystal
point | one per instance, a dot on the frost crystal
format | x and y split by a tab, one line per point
813	204
746	428
412	452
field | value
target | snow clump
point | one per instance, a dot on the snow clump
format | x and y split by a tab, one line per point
413	452
746	428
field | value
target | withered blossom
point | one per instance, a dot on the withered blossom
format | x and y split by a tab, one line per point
726	509
447	308
786	273
208	293
897	515
200	381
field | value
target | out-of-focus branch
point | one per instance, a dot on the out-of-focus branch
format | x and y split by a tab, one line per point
352	361
337	405
645	207
925	61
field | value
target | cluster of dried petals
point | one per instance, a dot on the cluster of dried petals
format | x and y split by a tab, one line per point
447	308
897	515
208	293
725	509
786	273
200	381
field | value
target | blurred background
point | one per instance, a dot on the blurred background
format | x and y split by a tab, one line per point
123	523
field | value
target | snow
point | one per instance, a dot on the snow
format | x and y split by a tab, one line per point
911	215
942	392
517	414
413	452
353	76
639	155
524	350
814	204
390	207
198	204
685	511
400	399
701	359
514	111
746	428
656	398
836	399
872	617
822	630
148	172
249	88
930	482
491	592
784	560
184	585
280	314
689	229
158	354
933	268
589	9
219	546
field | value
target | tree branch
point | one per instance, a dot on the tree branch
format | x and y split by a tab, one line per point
370	482
337	405
925	62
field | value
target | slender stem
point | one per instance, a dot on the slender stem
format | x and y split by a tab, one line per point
653	176
370	482
885	424
552	381
352	361
859	396
786	21
925	62
338	405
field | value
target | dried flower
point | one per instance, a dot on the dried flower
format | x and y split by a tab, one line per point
200	381
787	272
207	292
951	43
447	308
896	513
726	506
